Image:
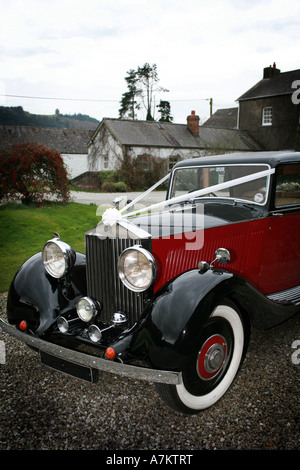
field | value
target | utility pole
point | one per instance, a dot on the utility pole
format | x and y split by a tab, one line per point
211	106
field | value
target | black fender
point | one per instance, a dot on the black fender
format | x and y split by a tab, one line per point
37	298
172	322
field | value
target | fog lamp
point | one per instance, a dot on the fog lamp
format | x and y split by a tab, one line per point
62	325
95	334
86	309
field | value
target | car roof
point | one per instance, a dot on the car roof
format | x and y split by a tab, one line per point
269	158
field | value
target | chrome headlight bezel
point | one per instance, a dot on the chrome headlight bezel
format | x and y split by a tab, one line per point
143	260
65	258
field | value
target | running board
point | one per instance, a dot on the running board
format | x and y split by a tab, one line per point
287	296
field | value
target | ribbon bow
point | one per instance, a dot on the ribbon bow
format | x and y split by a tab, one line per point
111	216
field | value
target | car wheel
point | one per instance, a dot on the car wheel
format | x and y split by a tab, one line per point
210	370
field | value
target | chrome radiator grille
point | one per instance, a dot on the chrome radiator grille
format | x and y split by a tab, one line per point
103	281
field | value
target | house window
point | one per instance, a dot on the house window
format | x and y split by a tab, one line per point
105	163
267	116
144	162
172	161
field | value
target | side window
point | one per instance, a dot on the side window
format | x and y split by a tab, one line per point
144	162
288	185
267	116
172	161
105	162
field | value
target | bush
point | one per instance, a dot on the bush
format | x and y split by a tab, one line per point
110	182
120	187
107	187
111	187
30	172
108	175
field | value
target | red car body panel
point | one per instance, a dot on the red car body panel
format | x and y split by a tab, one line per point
263	251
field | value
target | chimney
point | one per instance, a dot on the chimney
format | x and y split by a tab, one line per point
270	71
193	123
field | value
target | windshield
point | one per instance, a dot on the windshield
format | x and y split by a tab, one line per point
189	179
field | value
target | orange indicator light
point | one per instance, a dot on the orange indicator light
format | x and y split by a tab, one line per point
23	325
110	353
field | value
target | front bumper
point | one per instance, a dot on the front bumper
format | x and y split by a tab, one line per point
93	362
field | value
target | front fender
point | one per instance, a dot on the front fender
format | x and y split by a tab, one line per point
172	322
177	314
173	317
37	298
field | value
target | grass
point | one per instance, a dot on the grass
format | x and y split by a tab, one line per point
25	229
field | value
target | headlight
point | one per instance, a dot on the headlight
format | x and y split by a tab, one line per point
137	268
58	257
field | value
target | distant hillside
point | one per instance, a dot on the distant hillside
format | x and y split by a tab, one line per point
16	116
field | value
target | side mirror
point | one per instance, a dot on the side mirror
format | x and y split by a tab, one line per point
222	256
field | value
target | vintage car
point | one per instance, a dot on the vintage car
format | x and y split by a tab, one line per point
169	293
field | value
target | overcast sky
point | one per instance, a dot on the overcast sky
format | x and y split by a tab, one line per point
80	51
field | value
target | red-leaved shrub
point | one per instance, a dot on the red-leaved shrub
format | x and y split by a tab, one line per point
31	172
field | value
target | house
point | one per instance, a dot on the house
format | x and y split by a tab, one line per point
268	111
223	119
70	143
115	138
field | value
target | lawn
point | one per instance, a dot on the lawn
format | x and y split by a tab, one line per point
25	229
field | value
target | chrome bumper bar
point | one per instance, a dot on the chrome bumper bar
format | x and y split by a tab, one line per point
98	363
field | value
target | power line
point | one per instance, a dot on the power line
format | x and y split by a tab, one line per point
88	100
100	101
194	99
57	99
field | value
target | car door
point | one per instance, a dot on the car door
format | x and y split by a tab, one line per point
280	269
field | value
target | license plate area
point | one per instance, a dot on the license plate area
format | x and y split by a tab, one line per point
70	368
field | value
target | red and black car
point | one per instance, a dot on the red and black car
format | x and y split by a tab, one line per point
169	293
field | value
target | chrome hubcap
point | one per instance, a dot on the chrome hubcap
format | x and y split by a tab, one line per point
211	357
214	358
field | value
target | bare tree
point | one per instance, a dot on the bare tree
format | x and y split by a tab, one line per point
142	84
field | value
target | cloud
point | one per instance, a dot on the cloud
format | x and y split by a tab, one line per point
75	49
16	53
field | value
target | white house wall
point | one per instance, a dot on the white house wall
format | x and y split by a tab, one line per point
105	153
76	164
165	153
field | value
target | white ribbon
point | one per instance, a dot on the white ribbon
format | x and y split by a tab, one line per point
204	191
141	196
112	216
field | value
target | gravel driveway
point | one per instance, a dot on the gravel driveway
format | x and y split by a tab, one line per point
41	409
